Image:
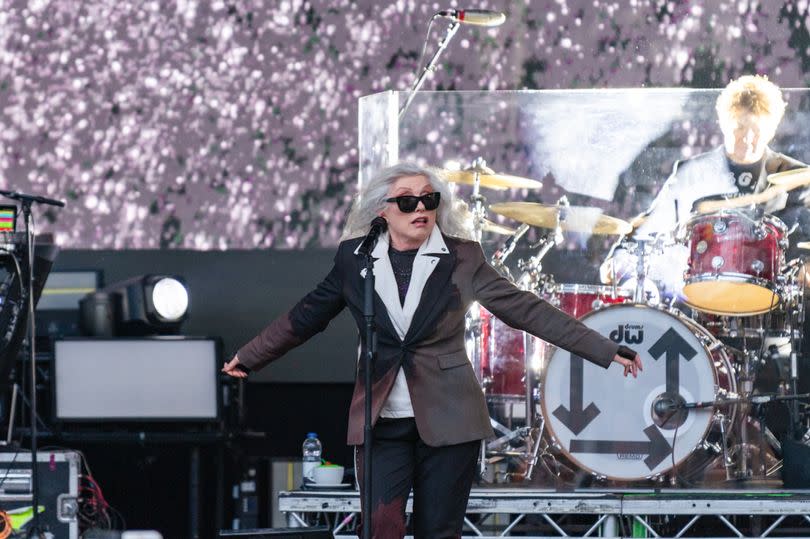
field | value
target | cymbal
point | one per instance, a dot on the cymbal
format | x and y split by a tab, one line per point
781	182
487	225
496	228
573	218
711	206
790	179
489	179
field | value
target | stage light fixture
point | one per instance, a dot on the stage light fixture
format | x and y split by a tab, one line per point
149	305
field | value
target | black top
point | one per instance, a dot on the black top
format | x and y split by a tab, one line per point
745	176
402	264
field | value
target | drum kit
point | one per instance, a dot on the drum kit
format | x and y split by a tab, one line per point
702	410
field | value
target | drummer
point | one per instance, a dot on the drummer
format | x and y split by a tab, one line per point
749	110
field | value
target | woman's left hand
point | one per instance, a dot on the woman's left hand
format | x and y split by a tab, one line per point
630	366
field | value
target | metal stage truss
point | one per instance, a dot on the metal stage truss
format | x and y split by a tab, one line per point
498	512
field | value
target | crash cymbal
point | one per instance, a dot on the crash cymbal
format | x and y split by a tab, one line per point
573	218
711	206
790	179
490	179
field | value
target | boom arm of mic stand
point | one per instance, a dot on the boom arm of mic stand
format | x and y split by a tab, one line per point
451	31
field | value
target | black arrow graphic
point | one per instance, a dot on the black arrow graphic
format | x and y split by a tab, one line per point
576	418
656	449
675	347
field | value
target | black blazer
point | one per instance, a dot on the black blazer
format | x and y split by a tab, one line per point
447	399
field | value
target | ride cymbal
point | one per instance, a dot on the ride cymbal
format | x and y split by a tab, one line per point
711	206
571	218
791	179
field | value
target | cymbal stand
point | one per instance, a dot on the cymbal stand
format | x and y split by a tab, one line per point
746	389
533	456
796	344
477	199
720	418
508	247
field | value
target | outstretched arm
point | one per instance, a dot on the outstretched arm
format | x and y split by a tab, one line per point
525	311
310	316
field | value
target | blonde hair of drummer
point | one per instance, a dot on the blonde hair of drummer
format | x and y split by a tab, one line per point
370	201
754	95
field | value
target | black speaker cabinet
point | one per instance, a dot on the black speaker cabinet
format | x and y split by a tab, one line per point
280	533
796	469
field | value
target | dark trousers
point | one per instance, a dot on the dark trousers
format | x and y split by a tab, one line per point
441	478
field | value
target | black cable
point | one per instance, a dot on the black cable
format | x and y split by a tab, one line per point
8	467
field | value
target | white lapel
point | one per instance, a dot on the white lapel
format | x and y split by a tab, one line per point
385	283
423	266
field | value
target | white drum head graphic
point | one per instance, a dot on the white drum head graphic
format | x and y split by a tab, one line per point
623	428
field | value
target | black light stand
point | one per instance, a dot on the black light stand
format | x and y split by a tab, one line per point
26	202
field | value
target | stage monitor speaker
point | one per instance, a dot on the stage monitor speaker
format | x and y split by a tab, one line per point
796	466
149	379
280	533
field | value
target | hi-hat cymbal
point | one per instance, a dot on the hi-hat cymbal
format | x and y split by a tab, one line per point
573	218
488	225
489	179
790	179
496	228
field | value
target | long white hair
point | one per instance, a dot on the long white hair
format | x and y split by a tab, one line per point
370	201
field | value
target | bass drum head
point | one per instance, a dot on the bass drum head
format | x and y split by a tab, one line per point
610	425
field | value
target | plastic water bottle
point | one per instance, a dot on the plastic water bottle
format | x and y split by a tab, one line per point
312	454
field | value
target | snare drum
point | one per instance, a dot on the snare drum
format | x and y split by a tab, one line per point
734	262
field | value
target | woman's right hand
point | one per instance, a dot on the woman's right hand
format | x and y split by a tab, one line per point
234	368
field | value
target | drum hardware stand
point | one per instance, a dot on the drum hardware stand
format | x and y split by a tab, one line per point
477	199
796	344
760	400
503	253
532	267
720	418
537	439
640	248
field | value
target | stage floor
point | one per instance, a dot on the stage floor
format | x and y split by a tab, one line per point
615	513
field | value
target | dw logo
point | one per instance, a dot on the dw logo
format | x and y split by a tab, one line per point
629	333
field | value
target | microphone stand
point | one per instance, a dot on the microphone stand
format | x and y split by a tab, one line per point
26	202
451	31
371	353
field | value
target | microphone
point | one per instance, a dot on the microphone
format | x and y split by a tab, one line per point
662	406
378	226
22	197
476	17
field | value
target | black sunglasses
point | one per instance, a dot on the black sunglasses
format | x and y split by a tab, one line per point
408	203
